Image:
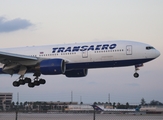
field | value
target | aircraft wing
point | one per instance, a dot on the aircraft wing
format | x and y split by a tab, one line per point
11	57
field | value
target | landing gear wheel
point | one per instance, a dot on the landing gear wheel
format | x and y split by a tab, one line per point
36	83
21	82
31	85
136	75
27	80
42	81
16	84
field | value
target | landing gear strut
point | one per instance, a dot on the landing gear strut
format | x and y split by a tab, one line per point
136	75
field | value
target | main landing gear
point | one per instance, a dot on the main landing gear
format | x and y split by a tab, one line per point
23	81
136	75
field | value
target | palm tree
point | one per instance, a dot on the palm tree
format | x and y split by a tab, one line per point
143	101
127	105
114	105
118	105
110	103
12	106
95	103
21	105
99	103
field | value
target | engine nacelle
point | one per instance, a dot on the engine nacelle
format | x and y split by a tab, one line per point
76	73
52	67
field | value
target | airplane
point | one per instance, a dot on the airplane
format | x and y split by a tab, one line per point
102	109
72	60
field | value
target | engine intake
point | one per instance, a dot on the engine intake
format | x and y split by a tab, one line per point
52	67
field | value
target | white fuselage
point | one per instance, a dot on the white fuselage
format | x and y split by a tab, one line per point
90	55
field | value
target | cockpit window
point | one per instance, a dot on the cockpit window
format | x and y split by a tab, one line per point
149	48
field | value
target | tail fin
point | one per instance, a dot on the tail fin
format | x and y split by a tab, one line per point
97	108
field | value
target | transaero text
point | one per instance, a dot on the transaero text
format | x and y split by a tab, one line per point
84	48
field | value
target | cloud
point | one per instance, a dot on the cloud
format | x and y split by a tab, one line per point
13	25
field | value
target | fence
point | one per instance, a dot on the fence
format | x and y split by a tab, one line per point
78	116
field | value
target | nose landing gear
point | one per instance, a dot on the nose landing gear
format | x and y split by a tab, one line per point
136	75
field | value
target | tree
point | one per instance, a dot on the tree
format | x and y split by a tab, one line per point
35	105
25	103
110	103
114	105
143	101
12	106
118	104
17	103
127	105
99	103
21	105
154	102
95	103
44	106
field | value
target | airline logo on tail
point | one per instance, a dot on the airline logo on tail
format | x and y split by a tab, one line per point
97	108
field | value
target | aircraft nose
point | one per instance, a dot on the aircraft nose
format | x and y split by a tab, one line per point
157	53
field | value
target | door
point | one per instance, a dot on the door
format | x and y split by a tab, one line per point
85	54
129	50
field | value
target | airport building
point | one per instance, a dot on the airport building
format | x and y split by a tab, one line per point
5	101
79	108
43	106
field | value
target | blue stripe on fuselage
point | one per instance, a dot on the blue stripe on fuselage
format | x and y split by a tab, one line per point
104	64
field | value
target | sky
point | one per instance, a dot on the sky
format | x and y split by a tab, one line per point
44	22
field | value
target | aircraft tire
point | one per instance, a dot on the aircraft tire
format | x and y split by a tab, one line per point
136	75
27	80
42	81
36	83
31	85
21	82
16	84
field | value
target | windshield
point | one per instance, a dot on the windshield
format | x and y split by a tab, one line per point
149	48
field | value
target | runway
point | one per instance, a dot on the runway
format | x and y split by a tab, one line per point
46	116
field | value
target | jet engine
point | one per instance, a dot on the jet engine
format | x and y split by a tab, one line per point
52	67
